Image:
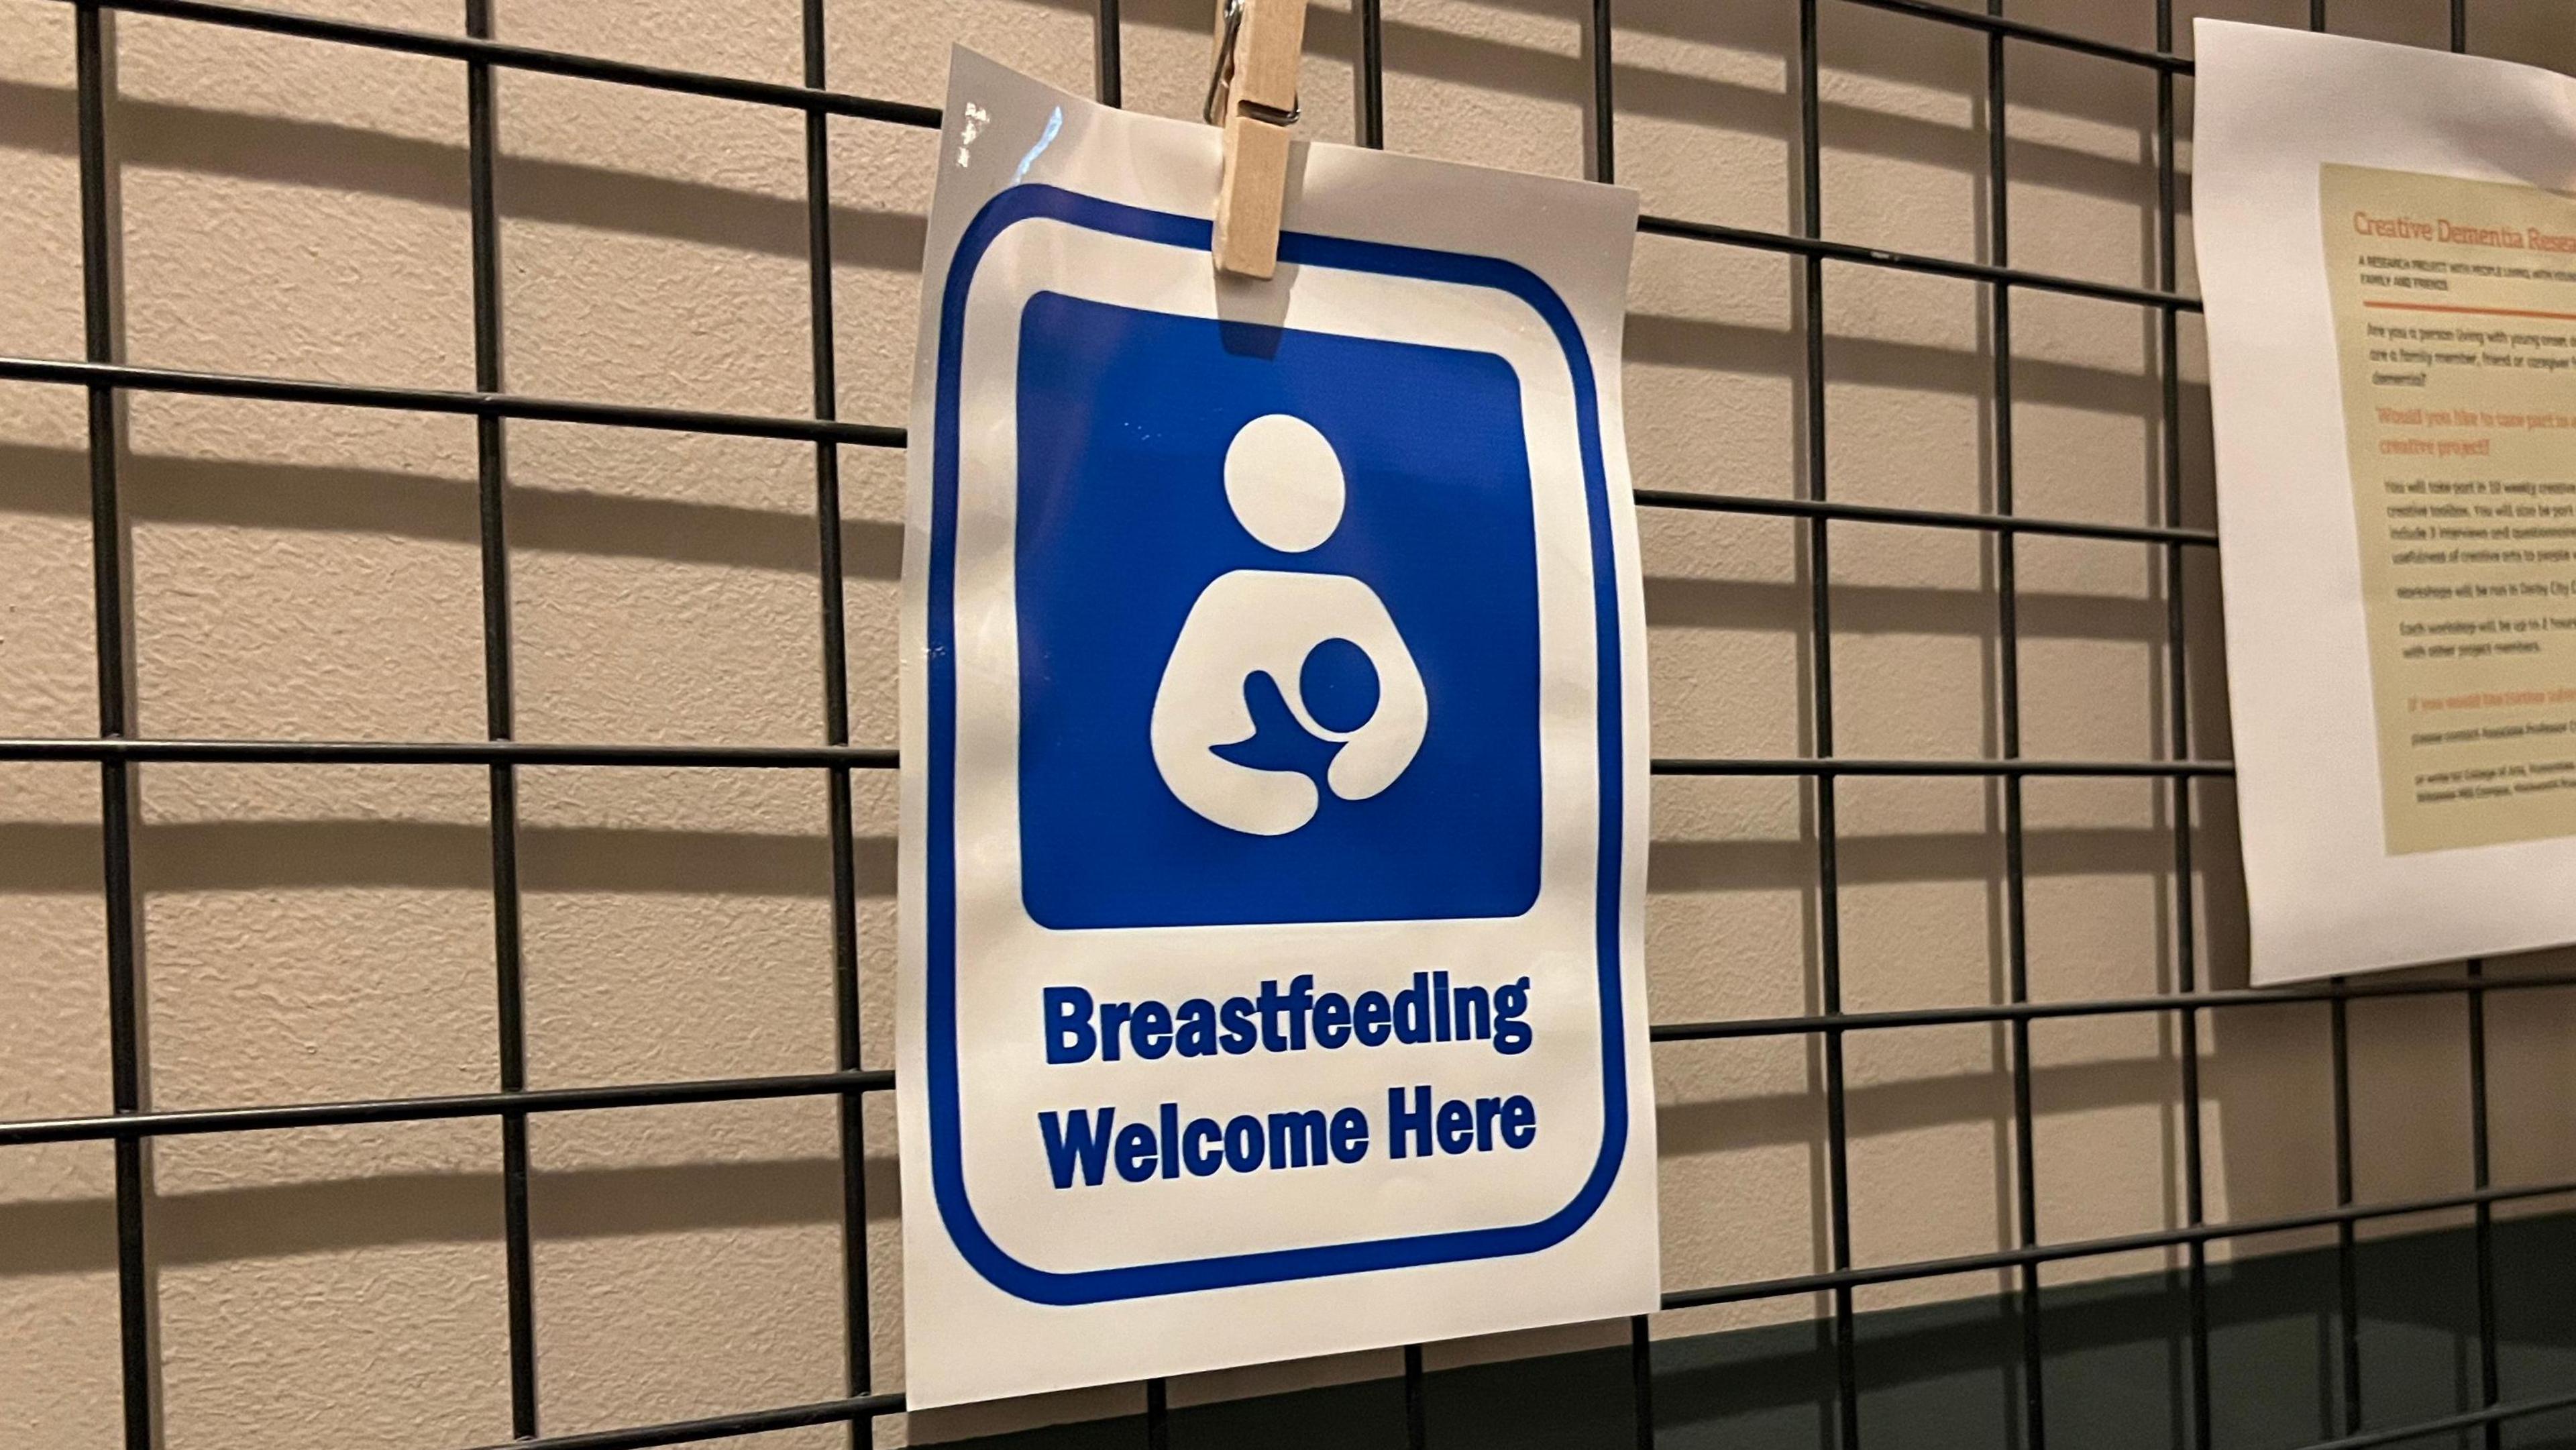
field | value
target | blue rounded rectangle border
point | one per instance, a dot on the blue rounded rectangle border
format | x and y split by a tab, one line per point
1028	202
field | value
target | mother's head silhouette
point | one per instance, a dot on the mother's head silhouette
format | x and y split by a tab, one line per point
1285	482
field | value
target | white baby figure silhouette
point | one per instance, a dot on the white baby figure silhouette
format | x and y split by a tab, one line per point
1286	487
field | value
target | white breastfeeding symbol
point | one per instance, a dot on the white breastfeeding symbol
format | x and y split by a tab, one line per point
1286	488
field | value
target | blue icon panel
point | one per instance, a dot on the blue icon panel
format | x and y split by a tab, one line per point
1126	524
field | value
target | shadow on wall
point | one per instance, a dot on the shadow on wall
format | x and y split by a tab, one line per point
1890	53
74	1236
46	857
259	494
173	137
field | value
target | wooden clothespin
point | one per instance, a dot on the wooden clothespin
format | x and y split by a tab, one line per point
1253	95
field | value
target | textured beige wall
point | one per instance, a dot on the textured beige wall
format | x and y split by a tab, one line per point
298	208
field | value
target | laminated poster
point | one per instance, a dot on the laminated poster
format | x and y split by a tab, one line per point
1274	761
2387	251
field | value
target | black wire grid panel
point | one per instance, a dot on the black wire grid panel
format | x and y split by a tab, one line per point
117	752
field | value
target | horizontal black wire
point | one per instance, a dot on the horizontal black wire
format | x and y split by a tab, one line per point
2036	34
2464	1420
801	98
1830	767
867	1407
2095	1248
1724	1029
531	58
1864	513
863	757
190	1121
436	400
450	752
1834	251
864	1407
859	1407
716	1427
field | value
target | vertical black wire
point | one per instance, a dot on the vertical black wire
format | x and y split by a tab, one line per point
1641	1379
857	1323
1372	86
1109	65
2347	1245
2490	1385
115	718
1605	168
1372	129
1820	595
491	483
2177	680
1108	68
1417	1418
1109	71
1372	133
1605	140
2347	1252
2481	1166
2008	670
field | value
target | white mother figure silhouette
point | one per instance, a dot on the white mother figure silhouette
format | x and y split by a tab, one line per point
1286	488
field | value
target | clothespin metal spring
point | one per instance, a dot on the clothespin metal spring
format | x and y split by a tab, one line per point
1221	79
1252	94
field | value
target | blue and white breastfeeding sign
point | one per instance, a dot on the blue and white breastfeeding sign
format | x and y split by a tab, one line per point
1274	762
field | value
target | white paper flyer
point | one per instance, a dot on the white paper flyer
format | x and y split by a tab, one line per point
2387	249
1274	762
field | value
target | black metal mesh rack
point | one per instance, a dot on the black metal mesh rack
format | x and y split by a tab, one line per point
118	752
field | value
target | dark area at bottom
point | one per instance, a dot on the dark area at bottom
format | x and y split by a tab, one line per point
2115	1376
